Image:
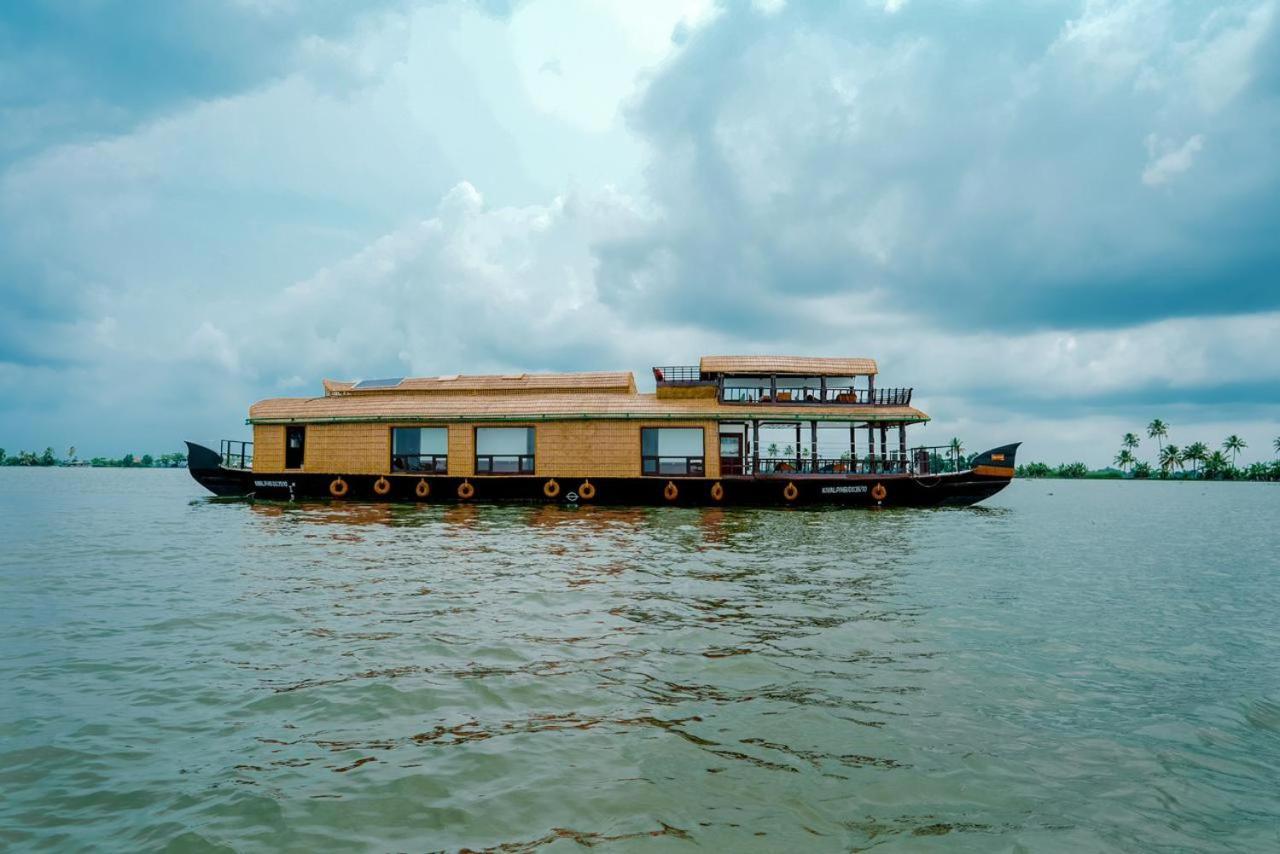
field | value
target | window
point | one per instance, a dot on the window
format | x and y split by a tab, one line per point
504	450
671	451
420	449
746	389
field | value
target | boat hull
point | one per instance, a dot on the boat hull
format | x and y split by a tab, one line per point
863	490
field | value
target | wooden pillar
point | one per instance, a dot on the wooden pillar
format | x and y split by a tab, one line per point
773	388
755	447
813	444
902	444
871	390
884	445
797	446
871	446
853	447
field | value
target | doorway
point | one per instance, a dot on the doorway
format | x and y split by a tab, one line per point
295	441
731	453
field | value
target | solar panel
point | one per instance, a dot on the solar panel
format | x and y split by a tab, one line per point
387	383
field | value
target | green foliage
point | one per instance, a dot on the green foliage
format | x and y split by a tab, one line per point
48	458
1170	461
1034	470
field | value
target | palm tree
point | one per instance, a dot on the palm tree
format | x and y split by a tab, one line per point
1196	452
1276	444
1215	464
71	453
1130	441
1234	444
1169	458
1158	430
1124	459
956	450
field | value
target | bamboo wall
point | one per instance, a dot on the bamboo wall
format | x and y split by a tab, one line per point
348	448
268	447
562	448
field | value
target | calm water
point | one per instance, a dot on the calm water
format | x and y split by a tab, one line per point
1077	666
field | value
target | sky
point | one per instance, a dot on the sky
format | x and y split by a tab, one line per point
1055	220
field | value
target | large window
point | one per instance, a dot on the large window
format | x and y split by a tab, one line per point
504	450
420	449
672	451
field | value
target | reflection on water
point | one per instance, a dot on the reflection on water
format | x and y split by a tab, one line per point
509	678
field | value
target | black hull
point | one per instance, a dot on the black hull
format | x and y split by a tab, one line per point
957	489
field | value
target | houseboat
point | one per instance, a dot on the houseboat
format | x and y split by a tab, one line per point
731	430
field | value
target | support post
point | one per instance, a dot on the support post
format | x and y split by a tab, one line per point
871	391
884	445
797	446
755	447
871	447
853	448
902	444
813	444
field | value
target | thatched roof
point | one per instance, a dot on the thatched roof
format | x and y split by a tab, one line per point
812	366
552	406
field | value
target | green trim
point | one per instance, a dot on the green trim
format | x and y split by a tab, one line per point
771	418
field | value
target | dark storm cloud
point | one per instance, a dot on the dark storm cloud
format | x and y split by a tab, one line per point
1055	165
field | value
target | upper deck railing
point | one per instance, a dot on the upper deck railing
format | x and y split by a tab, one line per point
678	375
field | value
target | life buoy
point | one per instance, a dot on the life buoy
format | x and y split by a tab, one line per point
790	492
878	492
670	491
381	486
466	490
551	489
338	487
423	489
717	491
587	491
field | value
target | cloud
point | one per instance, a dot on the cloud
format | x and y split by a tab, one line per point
73	71
978	170
1166	161
1052	223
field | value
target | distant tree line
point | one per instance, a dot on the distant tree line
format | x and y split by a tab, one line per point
1171	462
49	458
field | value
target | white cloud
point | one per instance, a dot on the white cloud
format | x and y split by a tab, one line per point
1166	160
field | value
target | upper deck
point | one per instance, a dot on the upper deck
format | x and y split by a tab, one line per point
787	381
720	388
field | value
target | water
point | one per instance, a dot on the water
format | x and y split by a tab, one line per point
1075	666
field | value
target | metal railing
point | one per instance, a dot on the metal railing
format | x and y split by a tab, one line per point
804	394
504	463
669	374
746	394
430	463
664	465
235	454
893	397
829	465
